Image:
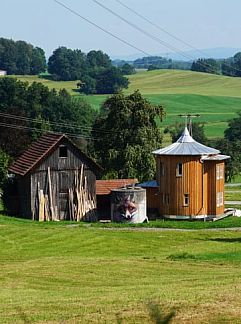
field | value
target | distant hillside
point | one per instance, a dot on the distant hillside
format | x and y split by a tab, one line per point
186	82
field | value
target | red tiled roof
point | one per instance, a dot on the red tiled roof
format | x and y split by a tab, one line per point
38	151
104	187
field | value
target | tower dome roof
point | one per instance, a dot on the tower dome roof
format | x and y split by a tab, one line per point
186	145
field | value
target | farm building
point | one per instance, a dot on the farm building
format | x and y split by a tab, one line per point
190	178
103	194
55	180
152	200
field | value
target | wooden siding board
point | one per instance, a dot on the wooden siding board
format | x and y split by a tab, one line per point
198	180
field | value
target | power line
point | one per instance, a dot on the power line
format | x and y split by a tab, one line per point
159	27
157	39
22	127
34	120
101	28
173	36
206	65
160	41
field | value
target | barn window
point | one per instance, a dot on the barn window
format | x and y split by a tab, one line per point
186	200
63	152
219	199
179	170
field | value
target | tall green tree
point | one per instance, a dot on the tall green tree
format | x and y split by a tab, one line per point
21	58
207	65
110	81
66	64
125	134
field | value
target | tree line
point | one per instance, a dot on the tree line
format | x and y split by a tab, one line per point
228	67
93	71
21	58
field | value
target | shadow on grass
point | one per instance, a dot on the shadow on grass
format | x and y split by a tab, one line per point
157	315
155	312
226	239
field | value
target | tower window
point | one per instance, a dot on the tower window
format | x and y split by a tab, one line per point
63	152
186	200
179	170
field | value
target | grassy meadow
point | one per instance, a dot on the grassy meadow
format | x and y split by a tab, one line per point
217	98
76	273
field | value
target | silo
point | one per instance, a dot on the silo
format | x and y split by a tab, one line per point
128	205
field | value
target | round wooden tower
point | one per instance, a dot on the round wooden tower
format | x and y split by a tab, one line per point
190	176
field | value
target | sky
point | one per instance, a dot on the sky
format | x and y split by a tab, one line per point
200	23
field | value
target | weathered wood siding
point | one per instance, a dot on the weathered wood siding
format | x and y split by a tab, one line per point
62	171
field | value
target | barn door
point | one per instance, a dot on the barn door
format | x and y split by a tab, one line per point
63	195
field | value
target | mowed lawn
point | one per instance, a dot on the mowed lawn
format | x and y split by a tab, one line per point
216	98
61	273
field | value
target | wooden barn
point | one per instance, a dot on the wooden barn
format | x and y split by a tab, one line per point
55	181
190	177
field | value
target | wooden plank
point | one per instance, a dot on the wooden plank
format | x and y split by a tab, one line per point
52	213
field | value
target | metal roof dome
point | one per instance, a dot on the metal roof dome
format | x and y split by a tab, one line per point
186	145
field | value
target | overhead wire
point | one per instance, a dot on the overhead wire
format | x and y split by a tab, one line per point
170	34
174	49
35	120
157	39
101	28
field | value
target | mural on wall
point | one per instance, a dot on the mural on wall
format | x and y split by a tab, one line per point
127	210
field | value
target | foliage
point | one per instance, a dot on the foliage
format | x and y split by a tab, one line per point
126	133
128	69
4	163
66	64
206	65
21	58
231	145
94	70
33	109
110	81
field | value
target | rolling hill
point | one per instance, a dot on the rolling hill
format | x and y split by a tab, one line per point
217	98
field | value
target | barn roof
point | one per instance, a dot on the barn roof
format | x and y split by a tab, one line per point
39	150
104	187
186	145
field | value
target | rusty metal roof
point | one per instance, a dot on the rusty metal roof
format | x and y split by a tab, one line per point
104	187
33	156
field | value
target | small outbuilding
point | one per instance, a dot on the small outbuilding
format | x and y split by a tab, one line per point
103	194
55	180
190	178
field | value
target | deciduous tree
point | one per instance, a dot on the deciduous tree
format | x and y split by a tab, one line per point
125	134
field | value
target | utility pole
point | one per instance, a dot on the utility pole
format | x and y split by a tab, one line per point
188	120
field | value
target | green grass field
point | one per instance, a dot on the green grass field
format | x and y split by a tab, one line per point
217	98
60	273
